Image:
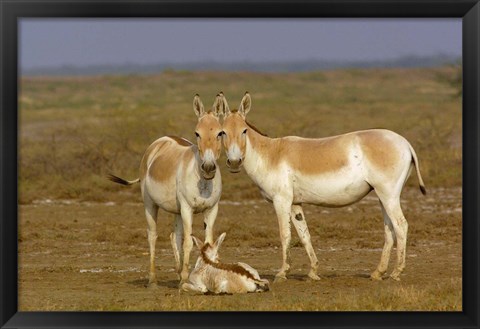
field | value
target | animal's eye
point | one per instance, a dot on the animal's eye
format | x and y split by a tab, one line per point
245	131
197	135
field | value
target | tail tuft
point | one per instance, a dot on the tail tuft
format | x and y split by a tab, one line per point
424	191
122	181
417	168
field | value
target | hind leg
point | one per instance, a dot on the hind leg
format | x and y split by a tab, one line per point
151	210
400	228
387	247
176	238
298	219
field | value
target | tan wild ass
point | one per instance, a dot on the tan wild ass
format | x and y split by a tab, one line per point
333	172
211	275
182	178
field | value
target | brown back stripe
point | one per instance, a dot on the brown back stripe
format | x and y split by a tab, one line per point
226	267
181	141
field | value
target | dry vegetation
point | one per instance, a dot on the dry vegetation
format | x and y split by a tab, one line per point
75	130
82	239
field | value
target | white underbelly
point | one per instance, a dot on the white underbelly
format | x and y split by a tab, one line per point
163	194
330	190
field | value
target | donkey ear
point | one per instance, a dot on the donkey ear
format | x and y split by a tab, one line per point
220	106
217	107
226	108
220	240
198	242
198	106
245	104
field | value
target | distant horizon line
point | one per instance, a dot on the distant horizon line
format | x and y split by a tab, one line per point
270	66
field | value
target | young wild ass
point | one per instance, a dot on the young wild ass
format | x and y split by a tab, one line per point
182	178
333	172
210	275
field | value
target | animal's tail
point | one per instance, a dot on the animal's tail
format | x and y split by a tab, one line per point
417	168
122	181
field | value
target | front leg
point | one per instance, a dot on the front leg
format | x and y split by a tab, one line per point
282	208
187	214
192	288
210	215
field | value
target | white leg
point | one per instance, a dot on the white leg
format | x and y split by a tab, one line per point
189	287
387	247
187	241
400	227
210	216
282	208
151	210
300	224
176	239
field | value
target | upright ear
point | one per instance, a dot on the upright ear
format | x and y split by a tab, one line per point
198	106
226	108
220	240
245	104
218	105
198	242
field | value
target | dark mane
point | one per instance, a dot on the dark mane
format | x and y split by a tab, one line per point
255	128
181	141
250	125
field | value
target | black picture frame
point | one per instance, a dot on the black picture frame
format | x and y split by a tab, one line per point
11	11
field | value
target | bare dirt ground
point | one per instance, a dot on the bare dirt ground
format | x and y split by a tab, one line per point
94	256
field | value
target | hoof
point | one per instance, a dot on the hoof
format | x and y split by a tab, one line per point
376	275
280	278
313	276
395	277
152	285
183	287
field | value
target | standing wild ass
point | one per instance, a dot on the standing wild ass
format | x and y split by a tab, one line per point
211	275
333	172
182	178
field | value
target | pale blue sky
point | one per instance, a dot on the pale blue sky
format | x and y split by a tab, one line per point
81	42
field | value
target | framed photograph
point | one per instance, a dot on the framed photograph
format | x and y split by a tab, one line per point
239	164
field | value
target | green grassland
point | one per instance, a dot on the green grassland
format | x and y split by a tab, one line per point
73	131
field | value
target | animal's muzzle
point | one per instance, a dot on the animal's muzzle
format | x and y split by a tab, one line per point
234	165
208	170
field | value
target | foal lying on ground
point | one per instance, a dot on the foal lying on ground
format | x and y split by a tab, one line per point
211	275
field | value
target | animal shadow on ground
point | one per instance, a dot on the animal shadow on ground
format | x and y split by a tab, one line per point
172	284
332	275
297	277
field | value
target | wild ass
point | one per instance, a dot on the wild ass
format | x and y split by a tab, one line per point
333	172
210	275
182	178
